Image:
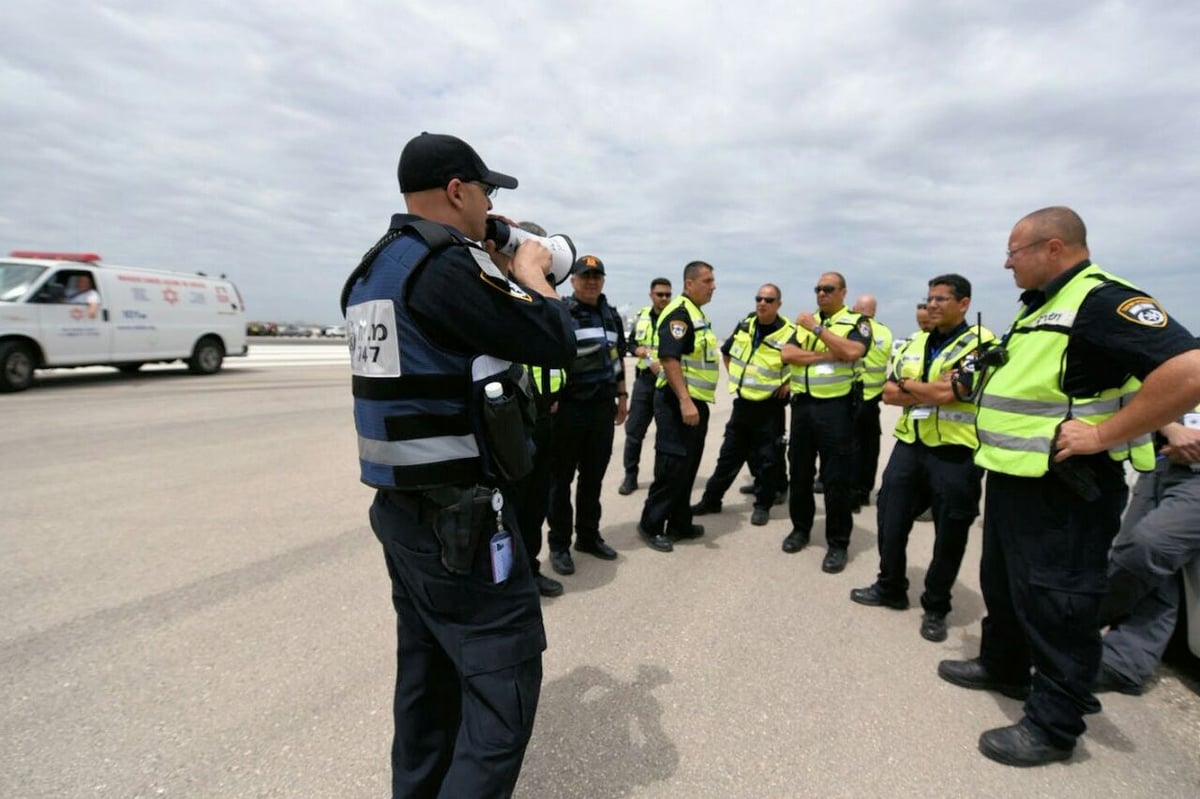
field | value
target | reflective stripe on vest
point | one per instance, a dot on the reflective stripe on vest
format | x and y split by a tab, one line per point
756	375
871	370
825	380
954	422
1023	402
700	369
645	334
597	359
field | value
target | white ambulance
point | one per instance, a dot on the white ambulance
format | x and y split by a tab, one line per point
69	309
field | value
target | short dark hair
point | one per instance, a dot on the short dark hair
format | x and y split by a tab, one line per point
692	270
922	306
841	278
957	283
659	281
778	292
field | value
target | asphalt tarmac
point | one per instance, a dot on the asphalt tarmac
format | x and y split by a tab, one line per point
193	605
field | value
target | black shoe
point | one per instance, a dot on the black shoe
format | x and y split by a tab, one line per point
659	541
1109	681
747	489
872	595
835	560
818	487
760	516
973	674
628	485
1020	745
561	562
795	541
693	531
705	507
933	627
596	547
547	586
780	498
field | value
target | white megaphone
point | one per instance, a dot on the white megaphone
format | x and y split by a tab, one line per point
508	238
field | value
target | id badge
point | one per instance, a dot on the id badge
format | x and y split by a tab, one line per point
501	547
921	411
823	369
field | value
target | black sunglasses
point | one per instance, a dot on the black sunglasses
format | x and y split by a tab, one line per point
663	295
824	289
767	300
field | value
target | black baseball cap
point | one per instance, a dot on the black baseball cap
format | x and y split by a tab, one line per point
432	160
588	263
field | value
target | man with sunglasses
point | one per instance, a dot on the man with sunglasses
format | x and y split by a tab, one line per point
822	354
593	399
643	345
1091	366
758	381
436	322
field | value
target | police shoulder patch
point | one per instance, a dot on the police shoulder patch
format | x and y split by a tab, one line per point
493	277
678	328
864	329
1144	311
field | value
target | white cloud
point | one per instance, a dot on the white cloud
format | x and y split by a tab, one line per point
890	141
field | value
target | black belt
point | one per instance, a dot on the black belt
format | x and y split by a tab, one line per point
798	399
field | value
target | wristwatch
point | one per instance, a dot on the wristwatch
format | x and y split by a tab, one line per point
816	330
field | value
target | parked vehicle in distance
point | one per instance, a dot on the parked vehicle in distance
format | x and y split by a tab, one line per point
295	330
262	329
69	309
334	331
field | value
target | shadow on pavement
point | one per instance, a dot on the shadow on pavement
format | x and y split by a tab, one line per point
598	736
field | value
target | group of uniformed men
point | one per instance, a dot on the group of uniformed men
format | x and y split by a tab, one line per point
454	347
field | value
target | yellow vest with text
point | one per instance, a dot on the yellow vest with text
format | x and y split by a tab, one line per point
871	369
700	371
954	422
645	334
756	375
825	380
1023	402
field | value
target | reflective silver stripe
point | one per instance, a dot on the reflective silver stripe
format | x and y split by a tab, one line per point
417	451
830	380
698	383
1015	443
486	365
760	386
947	415
589	332
1024	407
1139	441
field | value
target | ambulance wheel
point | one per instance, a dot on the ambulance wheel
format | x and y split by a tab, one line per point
129	368
16	366
207	357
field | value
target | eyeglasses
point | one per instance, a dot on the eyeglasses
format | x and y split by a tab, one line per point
488	189
767	300
938	298
824	289
663	295
1009	253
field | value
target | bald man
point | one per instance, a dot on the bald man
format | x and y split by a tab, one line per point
1093	365
870	373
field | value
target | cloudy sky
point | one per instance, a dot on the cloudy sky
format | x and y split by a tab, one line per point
889	140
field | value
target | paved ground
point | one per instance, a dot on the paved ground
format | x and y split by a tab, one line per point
192	605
